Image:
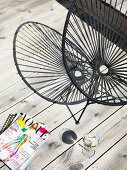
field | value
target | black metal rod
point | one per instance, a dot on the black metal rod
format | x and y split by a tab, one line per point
77	121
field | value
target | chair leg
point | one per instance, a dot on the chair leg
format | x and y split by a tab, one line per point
78	121
71	113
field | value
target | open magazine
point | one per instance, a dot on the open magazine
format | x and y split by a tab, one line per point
20	141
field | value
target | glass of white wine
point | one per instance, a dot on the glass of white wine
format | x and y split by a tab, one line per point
89	144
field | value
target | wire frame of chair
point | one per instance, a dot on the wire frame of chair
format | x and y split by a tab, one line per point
97	31
37	51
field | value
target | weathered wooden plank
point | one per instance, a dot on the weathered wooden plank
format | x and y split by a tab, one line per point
1	164
54	112
22	91
6	40
109	132
35	105
55	115
124	7
8	78
39	108
4	168
11	77
13	95
54	147
17	93
31	105
51	10
115	158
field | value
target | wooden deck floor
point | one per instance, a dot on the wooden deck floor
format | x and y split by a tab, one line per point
109	123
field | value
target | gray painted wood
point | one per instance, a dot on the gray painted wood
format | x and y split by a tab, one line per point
15	97
109	133
90	120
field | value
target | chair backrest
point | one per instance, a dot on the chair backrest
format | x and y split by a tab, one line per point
98	30
108	12
108	17
38	58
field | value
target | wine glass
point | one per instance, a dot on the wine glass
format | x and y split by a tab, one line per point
89	144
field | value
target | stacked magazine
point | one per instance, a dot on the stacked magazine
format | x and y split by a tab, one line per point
20	141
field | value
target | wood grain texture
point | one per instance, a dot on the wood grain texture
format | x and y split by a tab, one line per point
109	132
108	122
115	158
14	13
90	120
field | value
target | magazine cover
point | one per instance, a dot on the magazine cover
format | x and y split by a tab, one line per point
19	142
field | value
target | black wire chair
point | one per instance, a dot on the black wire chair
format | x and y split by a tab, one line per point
94	56
37	51
97	62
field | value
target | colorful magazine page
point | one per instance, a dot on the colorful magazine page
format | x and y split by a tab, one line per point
20	141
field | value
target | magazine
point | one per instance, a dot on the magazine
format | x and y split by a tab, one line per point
20	141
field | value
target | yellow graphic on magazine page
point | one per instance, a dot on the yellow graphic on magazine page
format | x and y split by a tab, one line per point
21	121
